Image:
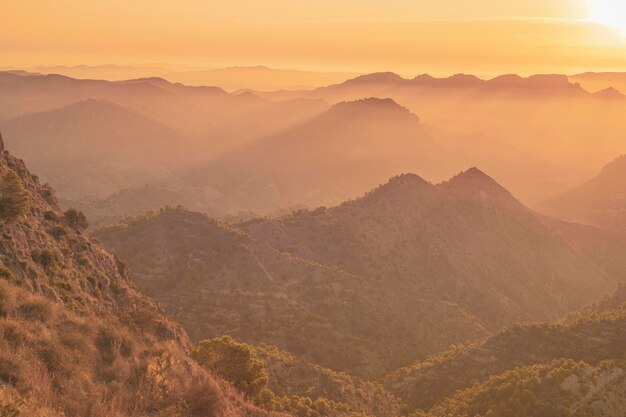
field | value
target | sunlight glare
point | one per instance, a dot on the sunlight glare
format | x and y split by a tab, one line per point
609	13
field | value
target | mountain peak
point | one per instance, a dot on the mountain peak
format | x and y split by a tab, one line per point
473	181
609	93
615	169
377	78
464	78
371	106
401	187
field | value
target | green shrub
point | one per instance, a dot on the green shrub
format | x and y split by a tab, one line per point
235	362
14	198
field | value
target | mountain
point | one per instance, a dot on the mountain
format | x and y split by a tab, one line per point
374	283
257	78
340	153
389	84
596	81
466	240
576	365
76	338
215	280
216	120
601	201
96	147
537	116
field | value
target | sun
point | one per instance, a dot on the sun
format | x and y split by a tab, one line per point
609	13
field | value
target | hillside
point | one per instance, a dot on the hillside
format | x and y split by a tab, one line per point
576	365
467	241
601	201
75	337
343	152
215	279
443	264
95	148
289	376
592	337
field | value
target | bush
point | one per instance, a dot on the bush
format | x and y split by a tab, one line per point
58	232
14	198
50	215
47	259
9	371
76	219
5	273
236	363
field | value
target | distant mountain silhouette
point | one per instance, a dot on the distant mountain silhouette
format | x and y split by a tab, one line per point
536	116
340	153
218	121
601	201
259	78
96	147
597	81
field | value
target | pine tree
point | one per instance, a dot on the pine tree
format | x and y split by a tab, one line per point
14	199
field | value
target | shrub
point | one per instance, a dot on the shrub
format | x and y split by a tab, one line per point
47	259
76	219
9	371
5	273
14	198
51	359
235	362
58	232
50	215
113	344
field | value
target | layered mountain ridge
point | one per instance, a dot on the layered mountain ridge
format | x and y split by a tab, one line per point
443	263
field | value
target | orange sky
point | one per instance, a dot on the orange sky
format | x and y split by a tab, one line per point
407	36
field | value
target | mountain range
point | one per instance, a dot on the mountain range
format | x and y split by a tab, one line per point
343	310
224	153
363	287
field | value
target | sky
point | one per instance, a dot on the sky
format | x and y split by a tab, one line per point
406	36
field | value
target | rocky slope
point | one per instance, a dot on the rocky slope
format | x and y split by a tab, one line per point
77	339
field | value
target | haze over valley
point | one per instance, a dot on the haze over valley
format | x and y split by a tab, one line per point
329	209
